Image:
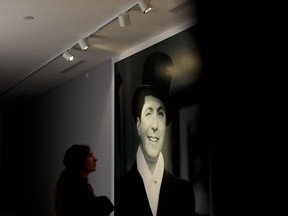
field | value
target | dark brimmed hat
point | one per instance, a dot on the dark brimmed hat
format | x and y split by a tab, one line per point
156	80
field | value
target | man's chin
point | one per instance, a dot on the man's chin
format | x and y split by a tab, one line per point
152	158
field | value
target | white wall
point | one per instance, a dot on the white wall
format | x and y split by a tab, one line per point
41	130
80	112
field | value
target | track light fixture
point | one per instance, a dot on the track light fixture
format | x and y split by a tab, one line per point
145	5
124	19
83	44
68	56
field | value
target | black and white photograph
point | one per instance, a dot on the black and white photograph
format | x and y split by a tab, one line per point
162	131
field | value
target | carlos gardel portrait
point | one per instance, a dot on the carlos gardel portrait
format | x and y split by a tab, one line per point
161	131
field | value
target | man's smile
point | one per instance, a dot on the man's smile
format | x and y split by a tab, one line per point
153	138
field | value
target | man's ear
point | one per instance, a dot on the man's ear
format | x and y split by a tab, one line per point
138	123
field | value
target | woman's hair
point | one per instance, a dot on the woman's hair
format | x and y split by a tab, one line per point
75	156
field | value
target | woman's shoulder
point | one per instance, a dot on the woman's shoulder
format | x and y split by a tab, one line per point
103	205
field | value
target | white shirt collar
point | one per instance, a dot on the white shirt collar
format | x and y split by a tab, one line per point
144	170
152	182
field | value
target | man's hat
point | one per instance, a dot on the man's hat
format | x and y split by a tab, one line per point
156	80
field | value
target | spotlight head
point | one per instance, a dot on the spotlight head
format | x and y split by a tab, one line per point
145	6
83	44
68	56
124	19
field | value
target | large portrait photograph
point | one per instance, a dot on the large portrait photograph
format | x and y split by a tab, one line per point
162	144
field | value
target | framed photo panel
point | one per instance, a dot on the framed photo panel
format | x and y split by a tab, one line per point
186	146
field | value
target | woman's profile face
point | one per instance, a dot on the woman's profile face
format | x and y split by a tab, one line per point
89	163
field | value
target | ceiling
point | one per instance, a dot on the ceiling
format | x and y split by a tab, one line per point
35	33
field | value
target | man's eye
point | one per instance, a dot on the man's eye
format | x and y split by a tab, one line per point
161	113
148	113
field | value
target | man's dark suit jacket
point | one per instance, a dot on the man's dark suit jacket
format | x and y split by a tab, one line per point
176	196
